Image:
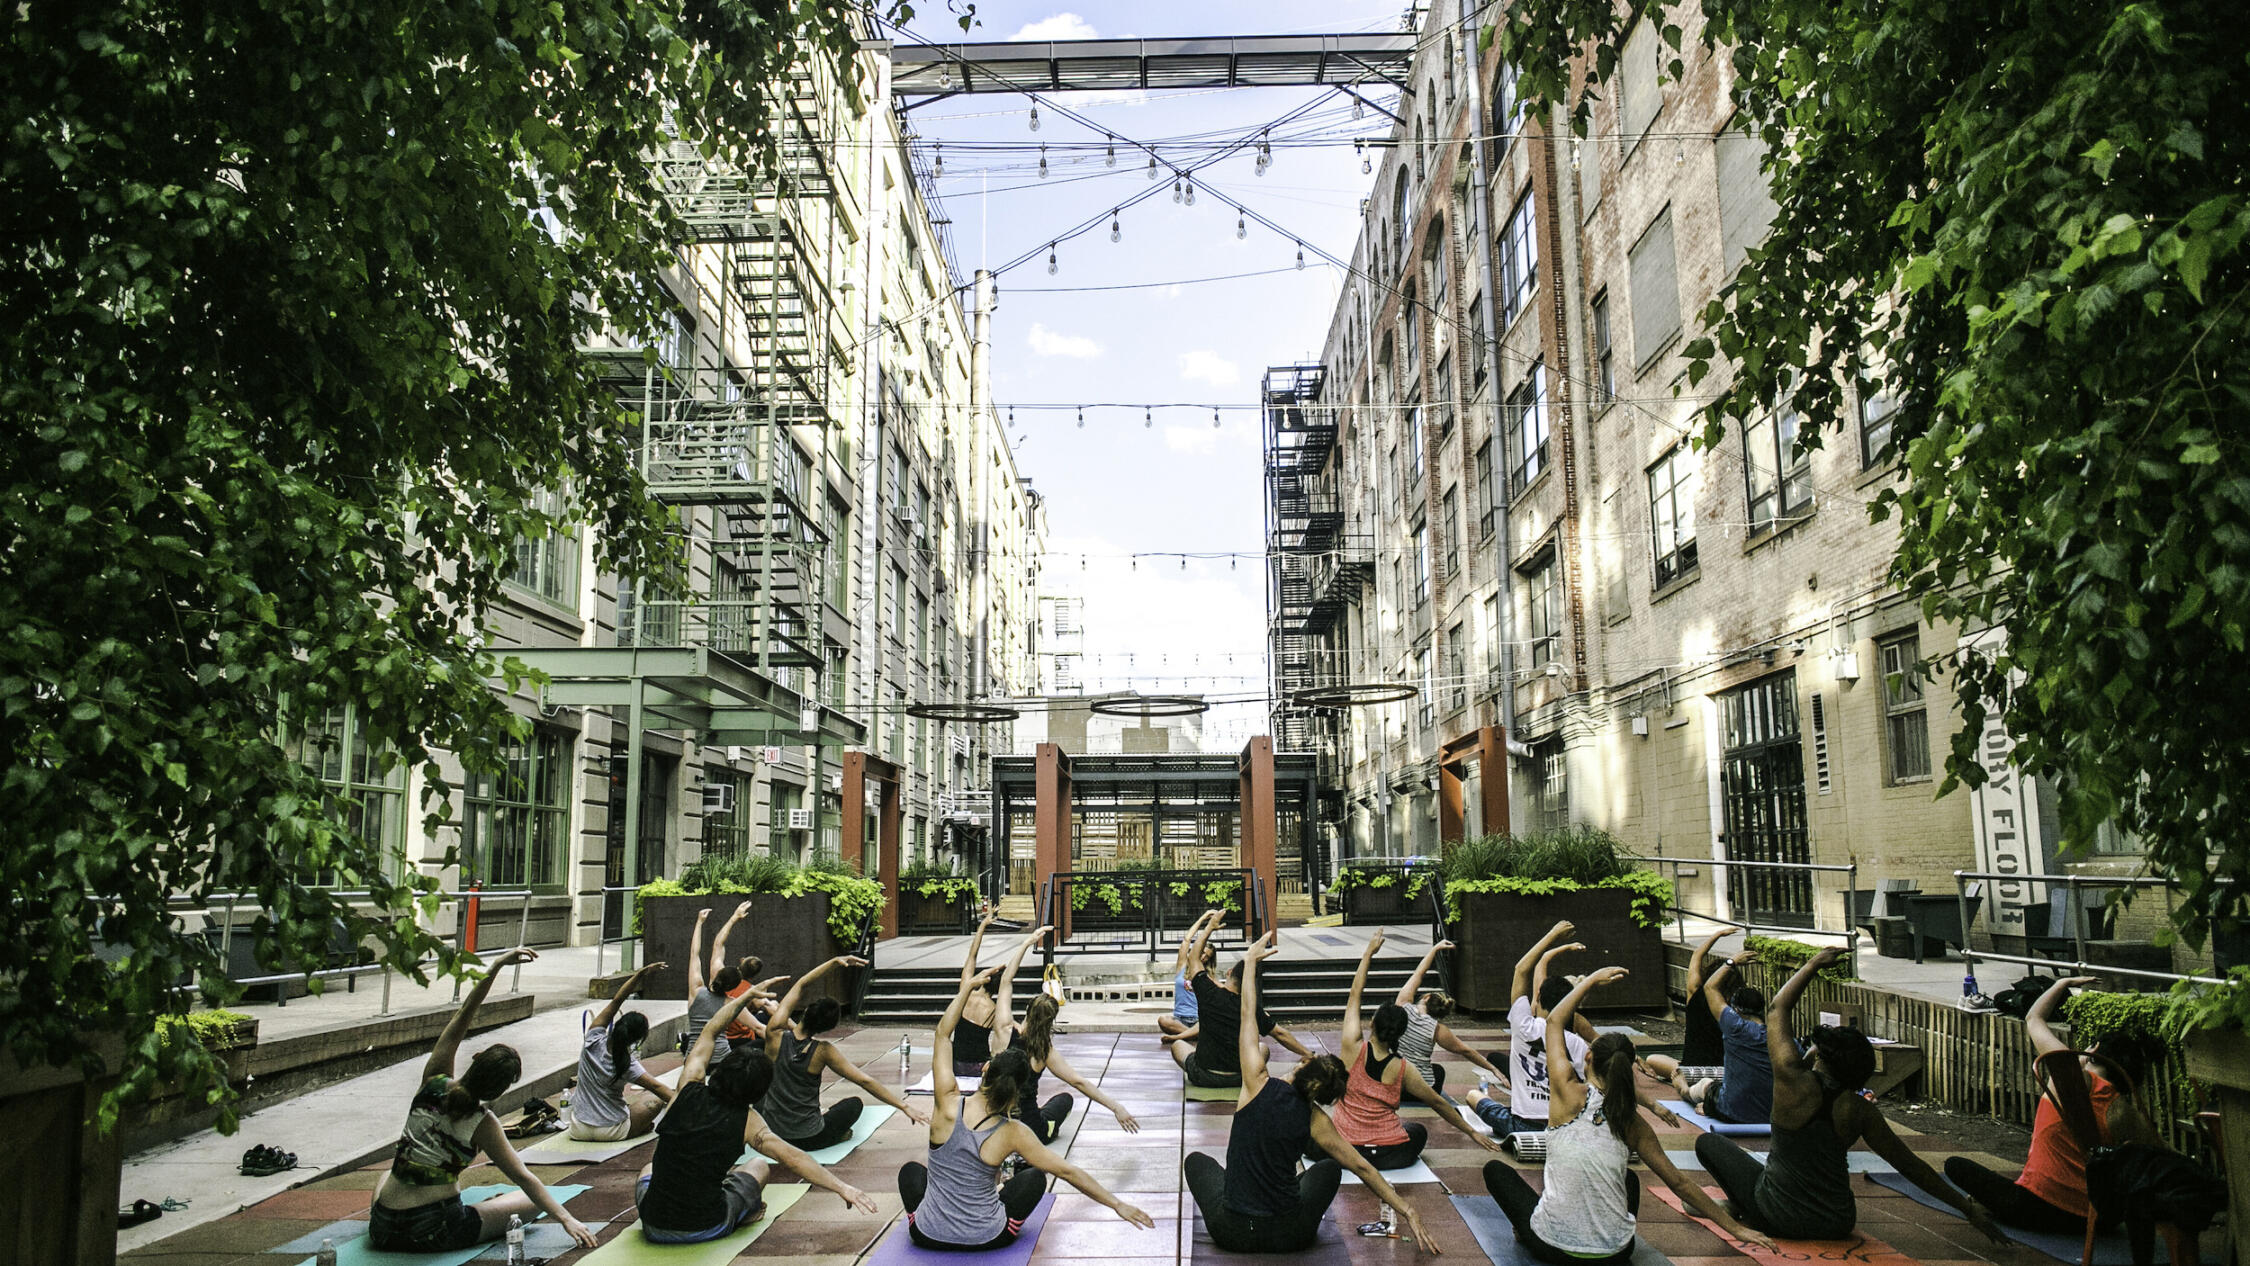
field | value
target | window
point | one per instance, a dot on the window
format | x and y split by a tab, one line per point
1527	428
838	676
1906	714
1778	472
1401	190
547	566
1542	619
1547	772
1507	106
894	478
898	725
1421	151
1746	207
836	557
1639	95
1457	668
1656	290
1449	55
921	511
1425	707
1421	531
1442	384
728	834
1413	437
921	629
1492	633
899	626
780	840
1451	531
1476	342
1878	408
1485	505
1411	316
1605	367
1441	275
1397	475
1519	262
1672	484
366	787
516	831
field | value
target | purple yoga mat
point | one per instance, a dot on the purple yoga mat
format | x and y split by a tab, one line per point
899	1248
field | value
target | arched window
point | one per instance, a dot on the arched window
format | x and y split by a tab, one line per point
1421	151
1400	200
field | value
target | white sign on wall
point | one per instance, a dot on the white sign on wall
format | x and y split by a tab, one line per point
2005	811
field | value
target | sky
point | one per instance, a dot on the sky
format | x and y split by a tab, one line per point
1155	476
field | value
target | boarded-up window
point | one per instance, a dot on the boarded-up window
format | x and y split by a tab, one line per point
1639	95
1588	158
1656	291
1746	205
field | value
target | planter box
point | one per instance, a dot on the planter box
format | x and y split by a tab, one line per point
934	916
790	933
1365	905
1496	928
2221	1060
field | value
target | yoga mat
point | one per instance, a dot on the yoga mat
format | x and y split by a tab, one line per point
355	1252
871	1118
1213	1094
899	1249
1709	1126
1416	1172
1856	1162
2109	1250
1497	1236
631	1248
561	1149
1861	1249
927	1086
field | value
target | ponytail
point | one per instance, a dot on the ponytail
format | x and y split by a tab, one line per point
491	1072
1612	1056
1038	1032
625	1033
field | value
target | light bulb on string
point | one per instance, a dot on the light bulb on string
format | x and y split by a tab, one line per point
1575	154
1034	116
1152	166
1116	230
1110	159
1042	162
1300	255
1359	108
1366	163
1241	225
1051	264
1175	188
938	172
1214	419
1183	562
1081	417
1148	418
1191	191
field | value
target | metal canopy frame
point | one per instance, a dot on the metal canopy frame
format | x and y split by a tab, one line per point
691	688
937	71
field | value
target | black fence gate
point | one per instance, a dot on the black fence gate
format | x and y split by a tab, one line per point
1762	787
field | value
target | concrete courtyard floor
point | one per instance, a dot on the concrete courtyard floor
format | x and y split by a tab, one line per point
1144	1168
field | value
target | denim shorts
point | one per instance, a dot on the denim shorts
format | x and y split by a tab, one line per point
741	1192
439	1227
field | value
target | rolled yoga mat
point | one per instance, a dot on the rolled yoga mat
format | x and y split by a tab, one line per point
1212	1094
631	1248
899	1249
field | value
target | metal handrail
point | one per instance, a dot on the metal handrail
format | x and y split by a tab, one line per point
2071	884
1851	897
1057	886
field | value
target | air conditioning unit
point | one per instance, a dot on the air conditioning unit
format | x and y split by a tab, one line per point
800	819
718	798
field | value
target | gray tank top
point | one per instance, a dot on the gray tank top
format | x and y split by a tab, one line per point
1806	1191
1418	1045
962	1203
792	1103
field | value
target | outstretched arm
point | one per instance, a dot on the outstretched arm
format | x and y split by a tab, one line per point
1446	1039
2039	1022
695	975
1027	1145
1523	986
493	1141
1566	1094
1914	1169
779	1020
1539	974
1413	986
758	1136
1068	1075
1413	1084
1248	1047
1324	1133
1004	1012
1698	1201
719	942
942	1084
707	1042
1350	1041
625	989
976	947
1281	1034
448	1044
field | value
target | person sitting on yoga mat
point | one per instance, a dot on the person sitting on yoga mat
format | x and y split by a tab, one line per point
694	1190
1525	1112
608	1060
2050	1194
956	1201
1258	1202
418	1208
1803	1191
1701	1046
1185	965
800	1055
1035	1037
1214	1062
1426	1030
987	1007
1587	1209
1744	1095
1379	1076
706	996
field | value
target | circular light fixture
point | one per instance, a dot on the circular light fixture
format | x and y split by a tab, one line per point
1356	694
1149	707
963	713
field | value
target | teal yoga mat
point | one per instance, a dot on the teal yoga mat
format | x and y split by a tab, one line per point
355	1252
871	1119
1709	1126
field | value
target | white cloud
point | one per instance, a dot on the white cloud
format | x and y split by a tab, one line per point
1188	439
1062	26
1206	366
1045	342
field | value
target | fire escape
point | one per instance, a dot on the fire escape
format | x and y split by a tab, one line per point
1315	568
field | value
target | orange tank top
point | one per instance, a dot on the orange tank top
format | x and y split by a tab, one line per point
2056	1169
1368	1115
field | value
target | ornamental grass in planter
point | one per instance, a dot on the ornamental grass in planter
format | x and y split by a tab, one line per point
800	916
1502	893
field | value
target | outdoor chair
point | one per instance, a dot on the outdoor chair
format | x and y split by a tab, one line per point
1885	900
1933	916
2048	931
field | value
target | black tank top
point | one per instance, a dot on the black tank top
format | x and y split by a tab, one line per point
1270	1133
972	1042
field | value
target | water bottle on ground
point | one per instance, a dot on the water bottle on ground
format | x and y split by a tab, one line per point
327	1254
515	1240
905	1054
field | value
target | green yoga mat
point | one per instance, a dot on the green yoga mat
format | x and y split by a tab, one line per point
1214	1094
355	1252
561	1149
631	1248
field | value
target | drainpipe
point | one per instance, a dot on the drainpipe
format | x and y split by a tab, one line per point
980	409
1503	547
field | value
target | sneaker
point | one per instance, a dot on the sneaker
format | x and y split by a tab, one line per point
262	1160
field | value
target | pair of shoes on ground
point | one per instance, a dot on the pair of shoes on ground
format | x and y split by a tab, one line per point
138	1212
262	1160
539	1117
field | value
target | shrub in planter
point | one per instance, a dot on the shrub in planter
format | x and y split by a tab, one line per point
1502	893
1384	894
801	916
933	899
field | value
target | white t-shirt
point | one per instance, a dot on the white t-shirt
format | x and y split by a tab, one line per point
1527	1060
600	1101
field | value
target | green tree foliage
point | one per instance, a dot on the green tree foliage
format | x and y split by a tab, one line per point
294	297
2026	221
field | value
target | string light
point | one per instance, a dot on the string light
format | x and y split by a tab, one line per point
1042	162
1191	191
1035	116
1051	265
1359	108
1214	419
1366	163
1116	230
1300	256
1175	188
1575	148
1148	418
1081	419
938	173
1679	155
1265	151
1241	225
1152	167
1110	159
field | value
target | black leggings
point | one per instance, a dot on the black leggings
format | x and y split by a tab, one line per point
1516	1199
1288	1232
1019	1196
1385	1155
835	1126
1738	1174
1046	1119
2011	1204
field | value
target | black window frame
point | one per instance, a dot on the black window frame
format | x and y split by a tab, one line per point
1673	489
1526	413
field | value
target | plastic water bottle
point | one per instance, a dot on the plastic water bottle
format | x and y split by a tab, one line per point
1385	1217
515	1240
1969	991
905	1054
327	1254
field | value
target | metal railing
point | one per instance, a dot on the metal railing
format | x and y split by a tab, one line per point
1149	895
2071	885
626	935
1849	870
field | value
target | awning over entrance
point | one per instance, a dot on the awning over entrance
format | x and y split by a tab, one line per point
1233	61
701	692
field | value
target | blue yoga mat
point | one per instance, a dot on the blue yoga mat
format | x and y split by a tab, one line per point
899	1249
1857	1162
1497	1236
1709	1126
2109	1250
355	1252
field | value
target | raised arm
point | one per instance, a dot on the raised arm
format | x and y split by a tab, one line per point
2039	1022
764	1140
1248	1047
1524	986
1190	942
695	977
1202	936
626	988
1413	986
448	1044
976	947
1566	1094
1350	1042
1004	1011
1068	1075
779	1020
707	1042
1781	1046
1715	982
719	942
1695	963
942	1084
1539	973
